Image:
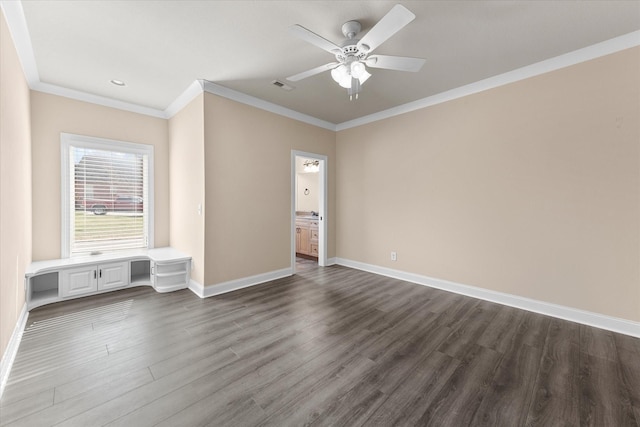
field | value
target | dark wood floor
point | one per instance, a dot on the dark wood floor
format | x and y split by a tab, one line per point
329	346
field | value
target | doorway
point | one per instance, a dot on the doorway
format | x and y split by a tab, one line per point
308	210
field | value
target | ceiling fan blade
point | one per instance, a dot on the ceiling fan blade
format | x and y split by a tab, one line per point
314	39
390	24
312	72
400	63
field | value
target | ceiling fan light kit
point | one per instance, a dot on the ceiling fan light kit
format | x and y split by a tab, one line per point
350	70
351	77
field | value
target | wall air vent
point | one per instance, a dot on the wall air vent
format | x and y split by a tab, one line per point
281	85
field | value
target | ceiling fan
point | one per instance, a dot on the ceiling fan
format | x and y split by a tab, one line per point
349	70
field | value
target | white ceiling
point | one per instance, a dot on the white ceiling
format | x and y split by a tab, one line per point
159	48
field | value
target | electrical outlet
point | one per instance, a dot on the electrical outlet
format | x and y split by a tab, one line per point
394	256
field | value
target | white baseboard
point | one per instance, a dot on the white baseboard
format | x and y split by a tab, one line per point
332	261
233	285
12	348
196	288
601	321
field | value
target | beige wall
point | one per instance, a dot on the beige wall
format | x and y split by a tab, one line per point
15	185
532	188
248	187
186	169
52	115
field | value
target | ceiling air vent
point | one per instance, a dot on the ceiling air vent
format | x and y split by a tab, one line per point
281	85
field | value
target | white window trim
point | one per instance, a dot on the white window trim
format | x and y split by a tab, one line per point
67	140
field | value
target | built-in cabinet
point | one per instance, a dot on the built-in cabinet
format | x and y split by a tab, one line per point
77	281
55	280
93	278
113	276
307	236
169	276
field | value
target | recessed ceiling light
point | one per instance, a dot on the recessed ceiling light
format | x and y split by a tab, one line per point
117	82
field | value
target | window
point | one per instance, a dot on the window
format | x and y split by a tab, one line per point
107	195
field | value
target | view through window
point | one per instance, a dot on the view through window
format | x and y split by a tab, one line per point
108	204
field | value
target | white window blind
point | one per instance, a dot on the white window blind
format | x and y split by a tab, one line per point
108	204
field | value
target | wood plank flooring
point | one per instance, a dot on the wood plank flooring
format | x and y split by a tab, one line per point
328	346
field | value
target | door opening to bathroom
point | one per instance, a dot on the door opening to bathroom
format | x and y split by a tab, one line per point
308	210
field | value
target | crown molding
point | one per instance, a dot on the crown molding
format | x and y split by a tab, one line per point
194	89
96	99
243	98
577	56
17	24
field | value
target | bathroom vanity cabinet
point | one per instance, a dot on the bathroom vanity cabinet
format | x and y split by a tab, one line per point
307	236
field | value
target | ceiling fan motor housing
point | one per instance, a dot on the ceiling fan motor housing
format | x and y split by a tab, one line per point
350	52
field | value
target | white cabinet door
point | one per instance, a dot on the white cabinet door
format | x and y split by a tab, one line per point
112	276
85	280
78	281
